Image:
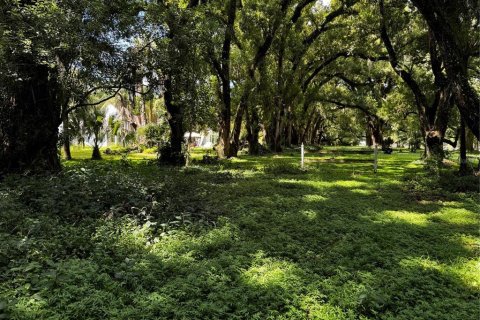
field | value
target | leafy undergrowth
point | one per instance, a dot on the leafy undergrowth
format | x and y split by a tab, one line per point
250	238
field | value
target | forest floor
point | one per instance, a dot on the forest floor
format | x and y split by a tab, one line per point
249	238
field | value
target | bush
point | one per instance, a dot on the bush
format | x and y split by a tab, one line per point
155	134
151	150
440	183
209	159
453	182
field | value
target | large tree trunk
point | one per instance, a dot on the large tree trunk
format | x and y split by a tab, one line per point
437	117
226	113
237	128
306	128
375	125
450	34
434	115
275	131
173	154
314	134
29	122
434	145
259	57
369	136
96	155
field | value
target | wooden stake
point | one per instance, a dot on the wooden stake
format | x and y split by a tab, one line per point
302	156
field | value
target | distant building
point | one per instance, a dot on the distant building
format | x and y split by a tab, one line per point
205	139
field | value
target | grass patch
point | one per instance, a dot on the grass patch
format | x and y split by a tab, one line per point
247	238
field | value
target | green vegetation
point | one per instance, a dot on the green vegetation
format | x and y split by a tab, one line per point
140	223
247	238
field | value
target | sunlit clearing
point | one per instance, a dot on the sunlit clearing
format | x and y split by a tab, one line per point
408	217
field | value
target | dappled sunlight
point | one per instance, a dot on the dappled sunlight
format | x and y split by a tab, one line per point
349	184
319	184
30	308
408	217
239	240
314	198
309	214
462	270
268	272
456	216
365	192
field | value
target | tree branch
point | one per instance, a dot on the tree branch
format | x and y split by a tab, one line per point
407	77
93	103
298	10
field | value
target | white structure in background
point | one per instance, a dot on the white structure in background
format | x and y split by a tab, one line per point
204	139
110	111
363	143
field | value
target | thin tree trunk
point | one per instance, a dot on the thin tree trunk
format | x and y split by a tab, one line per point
237	128
66	139
253	130
463	149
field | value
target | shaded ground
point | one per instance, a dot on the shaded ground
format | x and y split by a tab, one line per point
251	238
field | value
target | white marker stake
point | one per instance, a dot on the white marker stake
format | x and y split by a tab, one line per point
375	160
303	155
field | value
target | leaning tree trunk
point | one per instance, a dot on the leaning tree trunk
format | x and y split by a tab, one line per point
29	122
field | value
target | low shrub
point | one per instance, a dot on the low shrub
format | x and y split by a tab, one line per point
283	168
440	183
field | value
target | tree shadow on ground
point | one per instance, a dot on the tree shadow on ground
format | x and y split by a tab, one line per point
327	244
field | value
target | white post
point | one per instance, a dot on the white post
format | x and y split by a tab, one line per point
303	156
375	160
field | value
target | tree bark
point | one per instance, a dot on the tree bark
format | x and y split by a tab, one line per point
223	72
29	122
173	154
442	18
463	149
253	130
96	155
259	57
433	116
237	128
375	125
66	139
